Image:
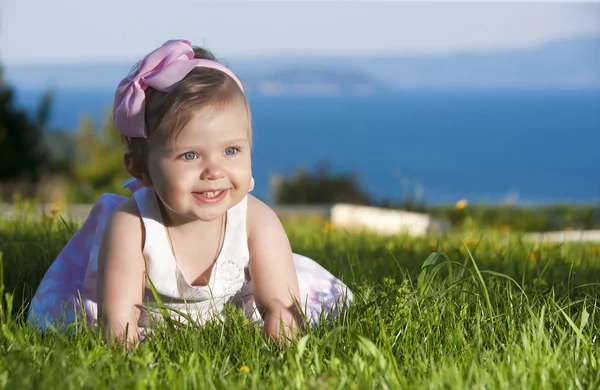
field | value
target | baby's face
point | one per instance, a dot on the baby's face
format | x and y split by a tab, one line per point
207	170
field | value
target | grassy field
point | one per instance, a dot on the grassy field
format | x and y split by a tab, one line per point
474	309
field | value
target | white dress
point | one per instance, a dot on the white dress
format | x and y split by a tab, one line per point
68	292
228	281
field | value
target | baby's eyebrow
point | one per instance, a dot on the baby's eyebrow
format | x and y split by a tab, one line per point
173	149
182	147
238	141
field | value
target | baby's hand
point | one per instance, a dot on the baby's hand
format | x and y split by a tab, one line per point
282	324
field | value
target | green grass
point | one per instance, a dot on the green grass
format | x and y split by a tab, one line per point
426	315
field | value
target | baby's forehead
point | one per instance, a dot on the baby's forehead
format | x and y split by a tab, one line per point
205	126
206	138
231	107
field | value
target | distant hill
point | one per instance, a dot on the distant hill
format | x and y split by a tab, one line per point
314	81
571	63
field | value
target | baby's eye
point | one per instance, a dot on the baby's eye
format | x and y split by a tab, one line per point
231	151
189	156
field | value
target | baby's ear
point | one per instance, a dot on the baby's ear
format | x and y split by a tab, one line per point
137	169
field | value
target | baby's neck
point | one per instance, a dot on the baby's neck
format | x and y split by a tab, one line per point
185	226
194	226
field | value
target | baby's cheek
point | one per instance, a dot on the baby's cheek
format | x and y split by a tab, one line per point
250	182
179	176
245	179
170	186
178	187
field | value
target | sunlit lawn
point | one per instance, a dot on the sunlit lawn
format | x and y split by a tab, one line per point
515	315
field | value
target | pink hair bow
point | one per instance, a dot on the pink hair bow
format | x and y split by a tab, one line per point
161	69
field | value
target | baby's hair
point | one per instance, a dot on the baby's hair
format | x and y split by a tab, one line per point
167	113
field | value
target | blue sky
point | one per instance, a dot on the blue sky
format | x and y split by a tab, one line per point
108	30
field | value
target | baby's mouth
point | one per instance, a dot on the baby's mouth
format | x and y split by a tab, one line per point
210	196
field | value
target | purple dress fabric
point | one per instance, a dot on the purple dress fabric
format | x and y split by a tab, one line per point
67	294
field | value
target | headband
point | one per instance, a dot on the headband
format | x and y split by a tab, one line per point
162	70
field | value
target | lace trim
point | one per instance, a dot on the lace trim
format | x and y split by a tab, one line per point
232	276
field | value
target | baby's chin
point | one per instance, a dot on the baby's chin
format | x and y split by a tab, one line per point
210	213
210	217
184	215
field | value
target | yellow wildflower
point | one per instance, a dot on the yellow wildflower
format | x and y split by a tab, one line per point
461	204
56	206
244	368
532	256
316	219
329	227
505	228
433	244
54	211
468	240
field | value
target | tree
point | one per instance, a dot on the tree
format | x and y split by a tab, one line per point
98	161
22	155
320	186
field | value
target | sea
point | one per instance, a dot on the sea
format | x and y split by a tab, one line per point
526	147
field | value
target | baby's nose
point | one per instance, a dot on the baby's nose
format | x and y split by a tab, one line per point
212	171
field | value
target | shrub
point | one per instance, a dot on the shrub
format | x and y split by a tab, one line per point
320	186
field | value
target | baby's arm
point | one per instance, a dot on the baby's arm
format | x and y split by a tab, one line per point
121	270
272	270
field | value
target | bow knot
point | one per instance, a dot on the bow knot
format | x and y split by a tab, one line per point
162	69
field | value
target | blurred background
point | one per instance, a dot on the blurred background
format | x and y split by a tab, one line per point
397	104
